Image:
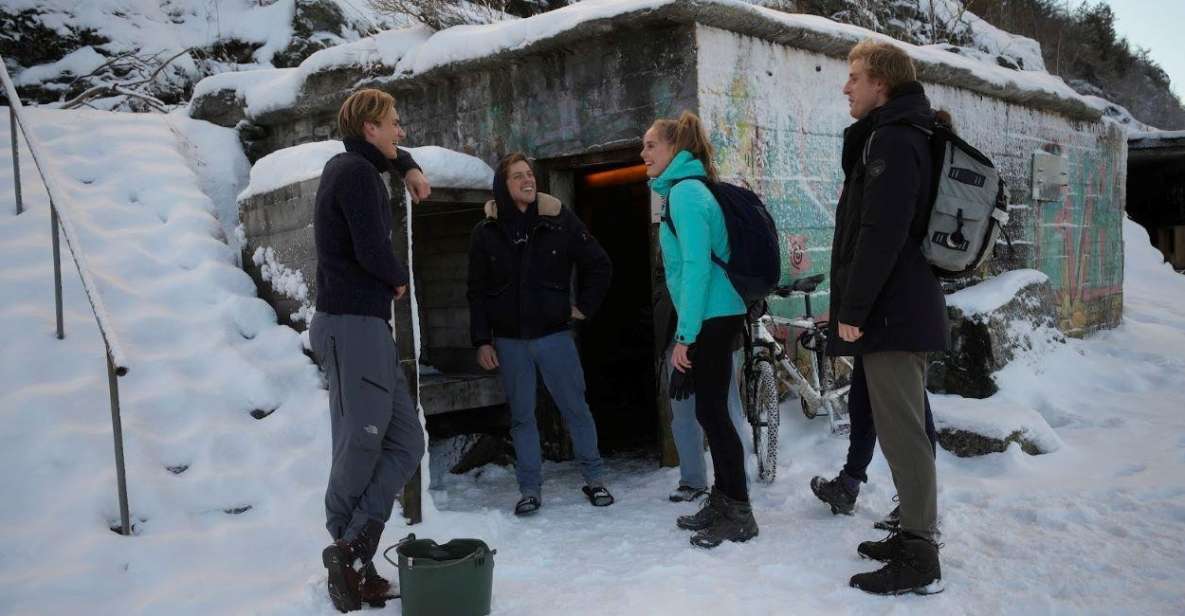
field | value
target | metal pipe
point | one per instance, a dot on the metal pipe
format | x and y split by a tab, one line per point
16	160
57	268
117	432
63	205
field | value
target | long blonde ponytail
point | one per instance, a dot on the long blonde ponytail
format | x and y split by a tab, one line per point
687	133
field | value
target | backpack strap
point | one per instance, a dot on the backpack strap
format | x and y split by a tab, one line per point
927	130
666	216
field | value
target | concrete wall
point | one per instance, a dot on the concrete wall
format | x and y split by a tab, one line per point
283	221
776	116
604	92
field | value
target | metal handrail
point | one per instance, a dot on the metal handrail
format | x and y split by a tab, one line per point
61	218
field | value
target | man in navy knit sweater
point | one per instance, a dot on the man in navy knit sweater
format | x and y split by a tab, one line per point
377	438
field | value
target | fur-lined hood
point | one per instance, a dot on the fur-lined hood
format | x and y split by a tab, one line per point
548	206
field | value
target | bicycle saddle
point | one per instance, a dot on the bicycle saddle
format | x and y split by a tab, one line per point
802	285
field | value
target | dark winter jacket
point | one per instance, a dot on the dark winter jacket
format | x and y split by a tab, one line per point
523	289
880	282
357	271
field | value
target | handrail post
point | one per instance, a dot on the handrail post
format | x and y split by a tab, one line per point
16	159
57	268
117	433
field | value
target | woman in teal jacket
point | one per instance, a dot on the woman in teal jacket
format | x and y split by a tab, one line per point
710	313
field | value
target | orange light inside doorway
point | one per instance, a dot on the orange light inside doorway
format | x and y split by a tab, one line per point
616	177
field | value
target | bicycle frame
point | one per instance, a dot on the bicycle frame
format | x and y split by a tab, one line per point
758	338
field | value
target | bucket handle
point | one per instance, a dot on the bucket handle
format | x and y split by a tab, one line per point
482	552
409	537
428	563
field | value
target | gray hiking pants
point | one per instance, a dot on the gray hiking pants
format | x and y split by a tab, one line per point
377	437
897	393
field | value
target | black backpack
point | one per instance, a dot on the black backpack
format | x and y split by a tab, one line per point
755	266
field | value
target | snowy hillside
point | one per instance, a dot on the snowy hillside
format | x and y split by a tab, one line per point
73	39
228	507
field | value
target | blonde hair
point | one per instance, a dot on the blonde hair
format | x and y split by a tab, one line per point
687	133
884	61
365	105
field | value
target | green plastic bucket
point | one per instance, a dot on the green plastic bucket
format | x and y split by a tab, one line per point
454	579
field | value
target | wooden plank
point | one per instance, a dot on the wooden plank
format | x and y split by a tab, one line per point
444	394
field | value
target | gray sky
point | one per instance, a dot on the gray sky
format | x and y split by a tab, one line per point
1155	25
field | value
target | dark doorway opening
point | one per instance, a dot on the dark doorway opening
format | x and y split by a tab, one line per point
617	344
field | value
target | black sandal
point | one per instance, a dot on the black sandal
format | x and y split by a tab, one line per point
526	506
598	496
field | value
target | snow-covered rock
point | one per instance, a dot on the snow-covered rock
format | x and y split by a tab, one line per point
991	324
71	39
973	427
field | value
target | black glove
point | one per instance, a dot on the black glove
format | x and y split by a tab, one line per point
682	384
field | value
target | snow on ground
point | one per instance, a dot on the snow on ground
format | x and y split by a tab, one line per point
444	168
1098	526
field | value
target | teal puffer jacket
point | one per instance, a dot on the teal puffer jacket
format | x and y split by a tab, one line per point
699	288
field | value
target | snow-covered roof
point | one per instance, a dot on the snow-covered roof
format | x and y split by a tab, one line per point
1156	138
416	52
444	168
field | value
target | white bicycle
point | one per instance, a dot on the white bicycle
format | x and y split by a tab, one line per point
821	387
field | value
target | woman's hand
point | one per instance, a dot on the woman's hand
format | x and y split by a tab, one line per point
679	358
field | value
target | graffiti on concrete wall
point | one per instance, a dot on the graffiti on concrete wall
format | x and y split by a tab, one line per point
776	116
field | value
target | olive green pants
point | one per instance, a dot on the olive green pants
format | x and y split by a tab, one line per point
896	390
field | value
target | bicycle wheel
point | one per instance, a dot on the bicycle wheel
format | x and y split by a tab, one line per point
764	417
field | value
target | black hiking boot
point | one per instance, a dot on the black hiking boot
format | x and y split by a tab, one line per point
884	550
707	515
346	562
735	523
913	568
891	521
837	493
375	590
345	579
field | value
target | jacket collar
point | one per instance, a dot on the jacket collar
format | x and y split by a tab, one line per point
907	104
368	151
683	165
548	206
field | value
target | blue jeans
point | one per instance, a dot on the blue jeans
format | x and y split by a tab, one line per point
689	436
556	359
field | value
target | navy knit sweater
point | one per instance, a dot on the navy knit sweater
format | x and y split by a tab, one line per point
357	270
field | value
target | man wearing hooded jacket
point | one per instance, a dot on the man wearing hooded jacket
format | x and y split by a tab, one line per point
521	309
887	308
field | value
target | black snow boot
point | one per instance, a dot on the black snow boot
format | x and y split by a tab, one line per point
914	568
347	562
840	493
707	515
375	589
892	520
736	523
345	579
884	550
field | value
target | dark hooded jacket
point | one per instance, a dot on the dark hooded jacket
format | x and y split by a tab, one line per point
880	282
357	270
521	269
